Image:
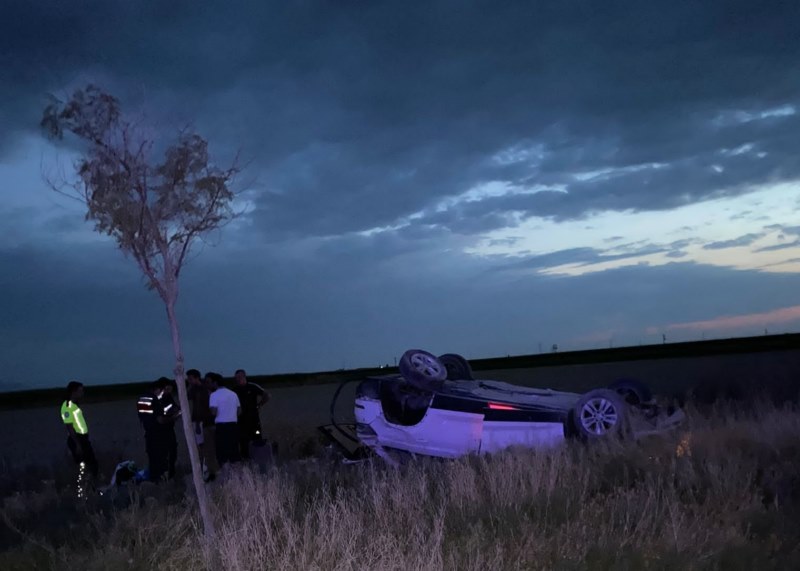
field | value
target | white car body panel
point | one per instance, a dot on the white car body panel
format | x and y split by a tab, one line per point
449	434
500	435
443	433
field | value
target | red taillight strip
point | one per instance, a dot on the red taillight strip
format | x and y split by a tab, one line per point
498	406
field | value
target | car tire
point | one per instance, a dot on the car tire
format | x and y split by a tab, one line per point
632	391
458	368
601	413
422	370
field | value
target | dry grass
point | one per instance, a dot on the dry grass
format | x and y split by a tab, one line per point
723	494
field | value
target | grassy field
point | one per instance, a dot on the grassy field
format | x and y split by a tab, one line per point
721	494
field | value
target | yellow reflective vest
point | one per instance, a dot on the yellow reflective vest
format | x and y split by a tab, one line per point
72	414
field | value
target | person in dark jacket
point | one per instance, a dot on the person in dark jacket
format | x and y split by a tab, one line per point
202	422
171	409
157	416
251	397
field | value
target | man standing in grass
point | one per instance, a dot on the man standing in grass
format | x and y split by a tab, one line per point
172	410
252	397
78	436
225	409
157	421
202	423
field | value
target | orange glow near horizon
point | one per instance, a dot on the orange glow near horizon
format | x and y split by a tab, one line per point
774	317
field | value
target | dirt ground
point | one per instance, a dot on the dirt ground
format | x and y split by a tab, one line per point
36	435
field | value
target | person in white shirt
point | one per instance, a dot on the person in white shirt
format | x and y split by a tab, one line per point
225	408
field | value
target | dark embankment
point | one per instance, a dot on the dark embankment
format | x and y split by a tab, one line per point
668	351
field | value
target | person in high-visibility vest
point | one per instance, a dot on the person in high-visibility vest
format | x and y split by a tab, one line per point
78	436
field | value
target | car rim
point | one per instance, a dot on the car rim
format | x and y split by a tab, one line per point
598	416
425	365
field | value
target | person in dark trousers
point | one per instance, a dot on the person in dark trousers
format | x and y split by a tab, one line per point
225	408
78	437
157	422
171	408
252	397
202	422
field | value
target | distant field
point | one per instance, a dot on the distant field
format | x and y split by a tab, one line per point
36	435
670	352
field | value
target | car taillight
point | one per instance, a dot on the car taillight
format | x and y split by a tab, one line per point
498	406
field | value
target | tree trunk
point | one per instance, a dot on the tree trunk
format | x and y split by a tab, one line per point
194	455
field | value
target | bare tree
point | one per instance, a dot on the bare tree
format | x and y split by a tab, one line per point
154	208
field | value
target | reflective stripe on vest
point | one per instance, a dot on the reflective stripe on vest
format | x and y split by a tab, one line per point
72	414
145	405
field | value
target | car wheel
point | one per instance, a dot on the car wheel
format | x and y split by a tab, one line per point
422	369
600	413
634	392
457	367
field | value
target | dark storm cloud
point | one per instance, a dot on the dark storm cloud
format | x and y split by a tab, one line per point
785	232
676	254
678	244
745	240
472	218
558	258
504	241
354	116
357	115
675	250
522	311
580	256
287	315
71	312
776	247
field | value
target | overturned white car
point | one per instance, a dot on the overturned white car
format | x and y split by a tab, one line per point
436	408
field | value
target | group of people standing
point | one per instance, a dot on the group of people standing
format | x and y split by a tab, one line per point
226	423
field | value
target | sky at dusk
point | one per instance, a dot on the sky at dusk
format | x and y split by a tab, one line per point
486	178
